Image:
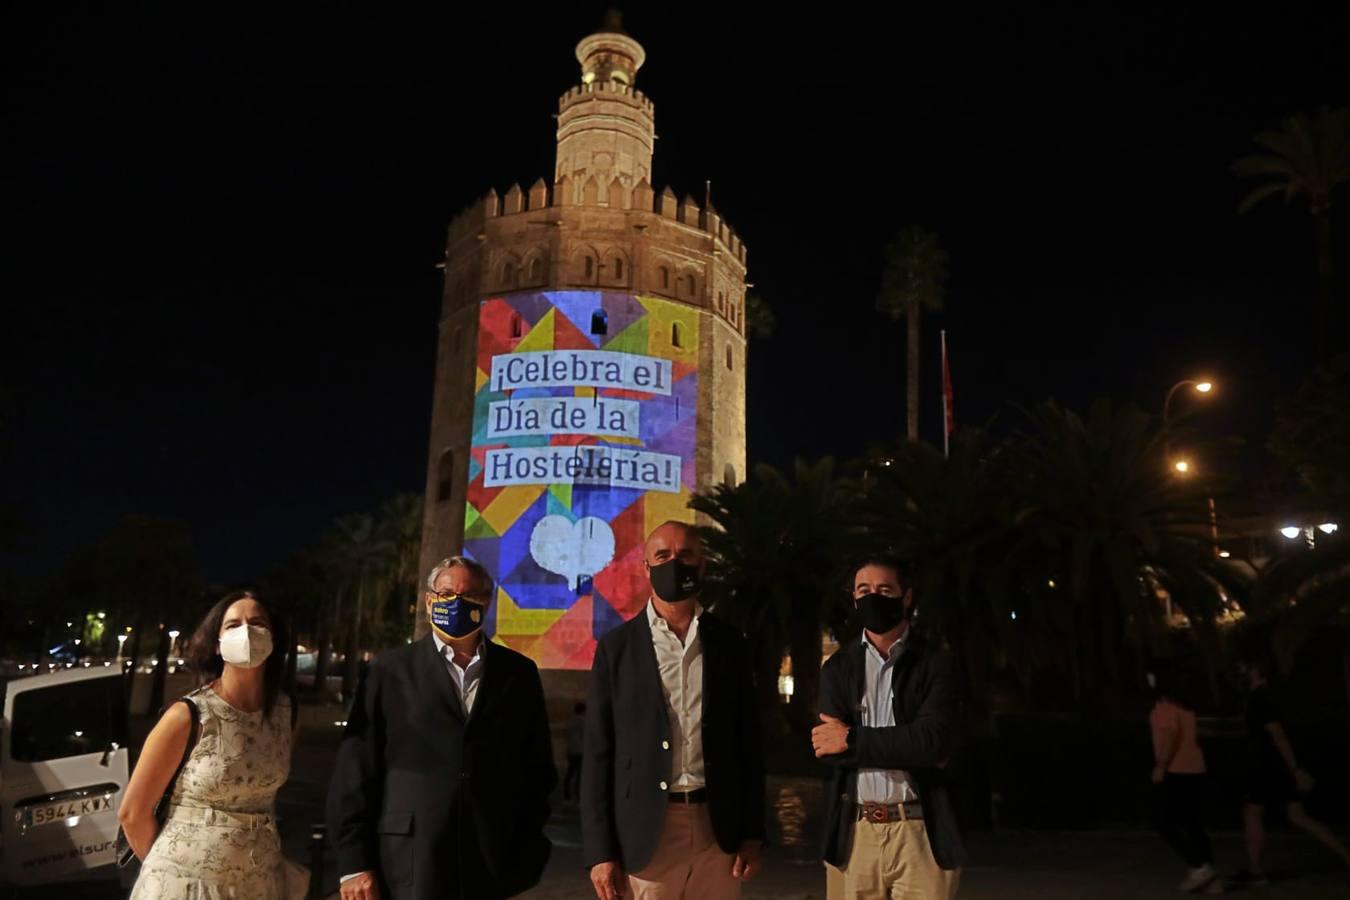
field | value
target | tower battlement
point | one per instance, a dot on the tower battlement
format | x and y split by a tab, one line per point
589	267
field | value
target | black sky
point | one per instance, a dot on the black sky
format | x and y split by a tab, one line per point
224	225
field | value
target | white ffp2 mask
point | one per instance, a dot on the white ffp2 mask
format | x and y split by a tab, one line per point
246	646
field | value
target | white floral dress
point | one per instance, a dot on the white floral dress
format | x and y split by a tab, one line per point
220	839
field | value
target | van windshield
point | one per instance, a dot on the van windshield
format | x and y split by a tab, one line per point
69	719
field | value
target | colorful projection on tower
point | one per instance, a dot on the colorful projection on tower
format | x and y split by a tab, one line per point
583	442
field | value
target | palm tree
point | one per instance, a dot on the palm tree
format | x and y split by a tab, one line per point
913	279
949	519
362	556
1103	524
1304	590
776	555
399	524
1307	156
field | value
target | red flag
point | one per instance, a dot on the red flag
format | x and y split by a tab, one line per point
948	413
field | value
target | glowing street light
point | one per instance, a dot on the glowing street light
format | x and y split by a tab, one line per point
121	640
1182	466
1291	531
1200	387
1328	527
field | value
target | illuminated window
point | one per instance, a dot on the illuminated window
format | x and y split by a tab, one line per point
445	476
676	334
599	322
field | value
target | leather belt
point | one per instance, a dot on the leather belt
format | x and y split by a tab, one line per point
890	812
697	795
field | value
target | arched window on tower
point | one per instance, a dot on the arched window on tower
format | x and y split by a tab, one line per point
618	268
730	359
590	267
517	326
729	475
664	274
692	285
599	322
445	476
676	334
536	270
508	273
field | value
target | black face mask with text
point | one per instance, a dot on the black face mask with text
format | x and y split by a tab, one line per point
880	613
674	580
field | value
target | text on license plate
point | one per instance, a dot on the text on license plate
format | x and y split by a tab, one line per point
32	816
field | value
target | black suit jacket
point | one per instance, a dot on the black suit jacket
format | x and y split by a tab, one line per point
437	803
623	805
926	734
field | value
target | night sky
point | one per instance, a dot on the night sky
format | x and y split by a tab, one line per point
224	225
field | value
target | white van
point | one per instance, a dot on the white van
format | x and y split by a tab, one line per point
63	767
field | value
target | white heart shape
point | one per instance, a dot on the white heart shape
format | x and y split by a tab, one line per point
572	549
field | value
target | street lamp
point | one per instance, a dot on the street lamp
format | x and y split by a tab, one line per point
121	640
1182	466
1200	387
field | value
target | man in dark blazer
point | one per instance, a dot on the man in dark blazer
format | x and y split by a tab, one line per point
443	776
672	779
889	725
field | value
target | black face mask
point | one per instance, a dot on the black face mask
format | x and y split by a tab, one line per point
881	612
674	580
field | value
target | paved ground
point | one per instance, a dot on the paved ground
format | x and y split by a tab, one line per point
1007	865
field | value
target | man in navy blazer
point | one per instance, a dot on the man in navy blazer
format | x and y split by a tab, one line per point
672	796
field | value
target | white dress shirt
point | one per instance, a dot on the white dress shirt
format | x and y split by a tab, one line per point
878	711
681	667
465	679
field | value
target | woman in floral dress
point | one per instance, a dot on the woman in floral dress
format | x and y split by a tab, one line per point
219	840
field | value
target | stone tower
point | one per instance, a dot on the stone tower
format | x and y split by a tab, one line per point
590	372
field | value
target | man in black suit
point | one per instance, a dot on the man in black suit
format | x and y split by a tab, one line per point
888	726
672	779
443	776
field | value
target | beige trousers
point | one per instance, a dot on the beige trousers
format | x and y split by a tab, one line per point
688	863
891	861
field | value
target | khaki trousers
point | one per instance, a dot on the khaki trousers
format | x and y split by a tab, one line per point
688	863
891	861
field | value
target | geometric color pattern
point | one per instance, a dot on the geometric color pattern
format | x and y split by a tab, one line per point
541	609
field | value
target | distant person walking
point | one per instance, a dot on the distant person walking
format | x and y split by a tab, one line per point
1274	777
1180	780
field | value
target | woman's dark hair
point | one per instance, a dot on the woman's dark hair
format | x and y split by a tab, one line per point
1170	684
204	649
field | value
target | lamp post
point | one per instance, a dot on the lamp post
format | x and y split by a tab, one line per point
1201	387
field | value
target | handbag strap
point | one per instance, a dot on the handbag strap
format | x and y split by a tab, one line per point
194	727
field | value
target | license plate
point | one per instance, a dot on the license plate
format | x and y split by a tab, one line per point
49	813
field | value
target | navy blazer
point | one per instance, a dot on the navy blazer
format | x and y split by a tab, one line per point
627	755
437	803
926	734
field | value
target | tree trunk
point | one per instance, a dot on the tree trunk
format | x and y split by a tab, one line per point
1326	312
912	329
803	711
323	653
351	668
137	627
161	673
